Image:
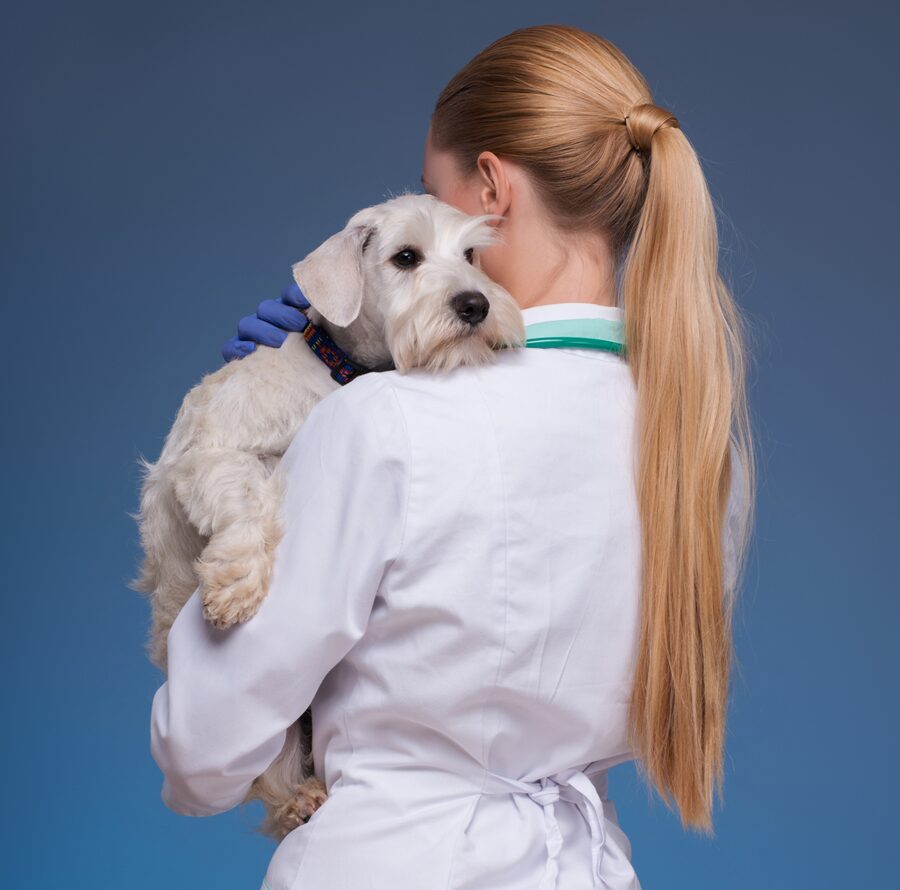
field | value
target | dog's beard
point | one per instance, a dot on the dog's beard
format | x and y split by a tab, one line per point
443	343
469	348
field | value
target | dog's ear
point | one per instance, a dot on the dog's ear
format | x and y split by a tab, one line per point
331	277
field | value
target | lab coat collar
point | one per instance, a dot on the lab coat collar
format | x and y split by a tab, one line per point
571	325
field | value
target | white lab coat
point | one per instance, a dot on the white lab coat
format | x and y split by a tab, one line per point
457	596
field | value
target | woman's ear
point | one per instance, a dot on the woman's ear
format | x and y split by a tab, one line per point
494	188
332	276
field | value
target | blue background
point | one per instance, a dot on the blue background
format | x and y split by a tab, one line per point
165	163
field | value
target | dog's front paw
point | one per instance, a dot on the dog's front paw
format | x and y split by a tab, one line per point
233	590
308	797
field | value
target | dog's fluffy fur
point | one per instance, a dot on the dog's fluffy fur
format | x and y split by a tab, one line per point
209	507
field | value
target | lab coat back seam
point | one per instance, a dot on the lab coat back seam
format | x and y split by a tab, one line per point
407	475
503	509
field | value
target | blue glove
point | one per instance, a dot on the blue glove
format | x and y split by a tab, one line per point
273	321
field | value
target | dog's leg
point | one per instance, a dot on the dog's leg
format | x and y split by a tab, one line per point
170	544
231	497
289	790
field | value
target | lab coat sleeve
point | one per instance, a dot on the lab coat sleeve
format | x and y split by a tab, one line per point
735	516
221	716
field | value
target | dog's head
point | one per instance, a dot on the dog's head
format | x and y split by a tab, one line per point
401	286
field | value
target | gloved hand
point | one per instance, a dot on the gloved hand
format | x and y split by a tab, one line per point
273	321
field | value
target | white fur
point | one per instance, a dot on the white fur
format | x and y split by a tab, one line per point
209	506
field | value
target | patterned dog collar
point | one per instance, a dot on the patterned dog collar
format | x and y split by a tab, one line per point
343	368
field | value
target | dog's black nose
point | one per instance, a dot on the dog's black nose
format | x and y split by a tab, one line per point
471	306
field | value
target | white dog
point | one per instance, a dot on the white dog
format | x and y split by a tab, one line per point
399	287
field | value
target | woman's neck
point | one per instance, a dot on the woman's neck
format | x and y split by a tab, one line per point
542	267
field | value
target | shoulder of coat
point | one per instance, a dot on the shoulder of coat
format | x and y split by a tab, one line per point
372	393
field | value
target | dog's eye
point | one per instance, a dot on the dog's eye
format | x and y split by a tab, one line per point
406	258
470	255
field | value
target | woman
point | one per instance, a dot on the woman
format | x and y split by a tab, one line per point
497	584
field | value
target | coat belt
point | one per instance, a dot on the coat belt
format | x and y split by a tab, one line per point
571	785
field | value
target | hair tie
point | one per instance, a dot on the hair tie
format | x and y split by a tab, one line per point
642	122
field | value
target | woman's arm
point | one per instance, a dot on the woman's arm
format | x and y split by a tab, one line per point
220	718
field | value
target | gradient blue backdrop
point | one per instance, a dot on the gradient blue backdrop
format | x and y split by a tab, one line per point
164	164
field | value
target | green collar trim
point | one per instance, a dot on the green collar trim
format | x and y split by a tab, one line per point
577	333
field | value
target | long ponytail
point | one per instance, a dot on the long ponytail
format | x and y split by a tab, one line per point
685	348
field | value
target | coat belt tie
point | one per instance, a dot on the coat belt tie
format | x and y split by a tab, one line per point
571	785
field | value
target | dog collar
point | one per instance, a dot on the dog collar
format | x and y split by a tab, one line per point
343	368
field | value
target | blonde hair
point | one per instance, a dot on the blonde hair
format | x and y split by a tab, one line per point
570	108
